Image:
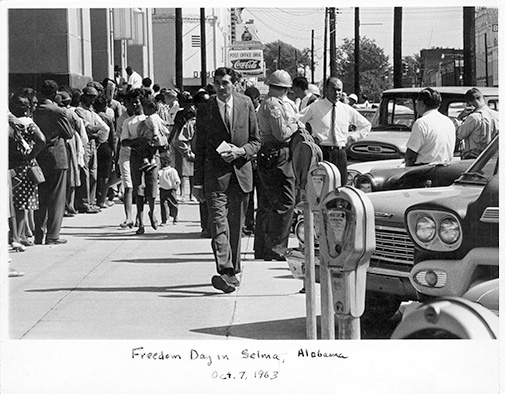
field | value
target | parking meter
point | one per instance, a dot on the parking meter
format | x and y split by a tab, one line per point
322	179
347	242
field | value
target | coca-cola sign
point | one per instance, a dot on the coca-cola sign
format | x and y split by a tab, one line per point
247	61
246	64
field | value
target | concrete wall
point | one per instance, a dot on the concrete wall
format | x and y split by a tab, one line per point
49	44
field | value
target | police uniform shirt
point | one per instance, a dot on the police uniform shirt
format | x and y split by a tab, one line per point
318	115
275	121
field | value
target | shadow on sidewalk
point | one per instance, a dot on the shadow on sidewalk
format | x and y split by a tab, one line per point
275	329
170	260
181	289
120	235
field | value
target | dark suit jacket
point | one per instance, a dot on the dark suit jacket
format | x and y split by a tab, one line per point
210	169
55	125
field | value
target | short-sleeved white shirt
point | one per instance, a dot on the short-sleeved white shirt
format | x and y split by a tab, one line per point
433	137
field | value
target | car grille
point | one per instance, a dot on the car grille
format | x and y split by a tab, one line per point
394	249
374	148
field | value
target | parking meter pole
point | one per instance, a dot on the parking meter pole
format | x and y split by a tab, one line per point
349	327
326	302
311	310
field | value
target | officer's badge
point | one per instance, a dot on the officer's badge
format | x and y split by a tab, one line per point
276	112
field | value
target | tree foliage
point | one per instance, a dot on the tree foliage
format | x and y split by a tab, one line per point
374	68
292	59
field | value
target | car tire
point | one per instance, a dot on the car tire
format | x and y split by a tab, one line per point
380	307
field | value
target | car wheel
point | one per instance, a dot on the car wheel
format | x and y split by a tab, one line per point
380	307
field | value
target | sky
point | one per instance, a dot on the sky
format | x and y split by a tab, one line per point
422	27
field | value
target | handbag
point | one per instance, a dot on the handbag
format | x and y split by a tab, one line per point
36	175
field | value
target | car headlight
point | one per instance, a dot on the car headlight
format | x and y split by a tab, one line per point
425	229
364	183
437	231
449	230
351	176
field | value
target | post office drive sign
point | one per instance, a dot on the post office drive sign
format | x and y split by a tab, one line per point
247	62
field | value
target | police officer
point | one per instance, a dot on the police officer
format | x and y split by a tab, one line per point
277	124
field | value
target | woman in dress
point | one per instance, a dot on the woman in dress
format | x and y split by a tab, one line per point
26	140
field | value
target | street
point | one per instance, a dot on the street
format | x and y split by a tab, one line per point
108	283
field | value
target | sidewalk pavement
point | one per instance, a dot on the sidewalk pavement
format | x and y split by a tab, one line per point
109	283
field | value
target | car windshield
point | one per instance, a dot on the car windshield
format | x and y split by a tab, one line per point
484	167
395	113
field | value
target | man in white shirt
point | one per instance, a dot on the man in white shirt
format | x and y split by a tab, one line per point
134	81
433	135
97	130
329	120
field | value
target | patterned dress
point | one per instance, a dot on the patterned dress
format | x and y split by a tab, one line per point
25	193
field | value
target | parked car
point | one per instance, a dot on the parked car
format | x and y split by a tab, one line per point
393	120
401	177
459	285
403	218
455	209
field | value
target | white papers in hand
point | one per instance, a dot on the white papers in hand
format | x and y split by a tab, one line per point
224	147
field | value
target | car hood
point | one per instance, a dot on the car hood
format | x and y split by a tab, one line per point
390	206
392	137
368	166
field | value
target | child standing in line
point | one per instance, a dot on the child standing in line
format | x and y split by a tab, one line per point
169	182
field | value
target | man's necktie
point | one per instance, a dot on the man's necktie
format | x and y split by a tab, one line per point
333	124
227	119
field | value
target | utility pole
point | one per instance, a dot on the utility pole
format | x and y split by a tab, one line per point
279	57
398	67
332	41
486	57
469	77
357	53
204	71
179	48
313	54
324	74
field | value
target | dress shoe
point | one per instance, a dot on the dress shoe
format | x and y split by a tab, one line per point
126	224
88	210
274	256
26	242
223	282
59	241
69	215
140	230
18	247
234	280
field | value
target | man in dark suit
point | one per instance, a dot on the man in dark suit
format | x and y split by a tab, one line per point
53	160
227	138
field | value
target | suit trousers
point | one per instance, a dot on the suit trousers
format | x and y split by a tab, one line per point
227	213
52	195
338	157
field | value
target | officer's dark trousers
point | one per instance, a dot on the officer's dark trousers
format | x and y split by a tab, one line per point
279	187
